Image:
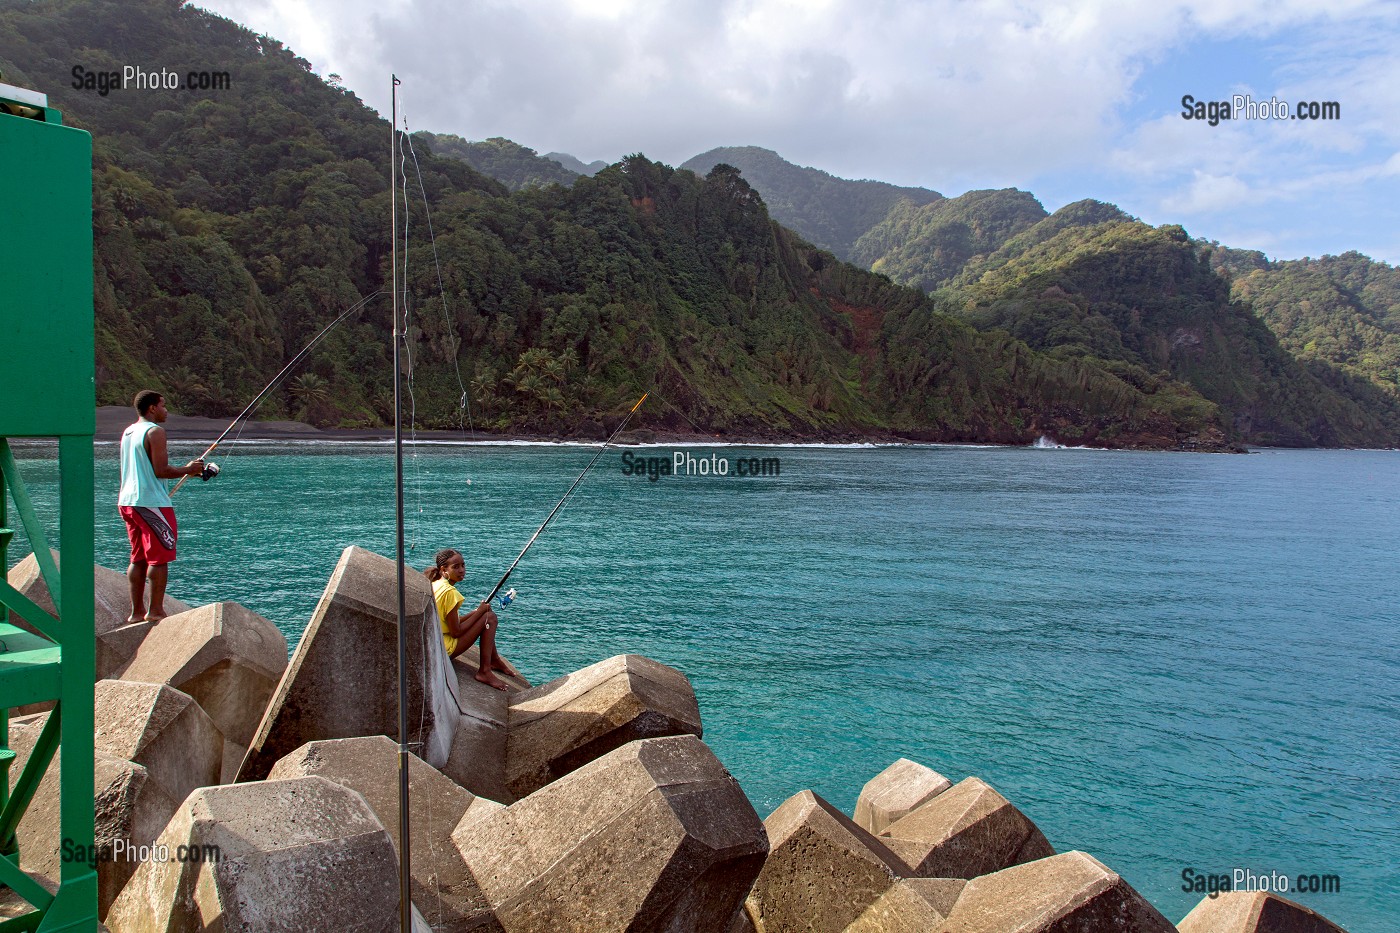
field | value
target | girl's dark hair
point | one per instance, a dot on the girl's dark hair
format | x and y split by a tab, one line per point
440	562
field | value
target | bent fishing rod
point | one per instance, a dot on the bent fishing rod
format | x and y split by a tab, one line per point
276	381
560	504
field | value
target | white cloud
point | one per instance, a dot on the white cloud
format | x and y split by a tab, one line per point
940	93
1208	194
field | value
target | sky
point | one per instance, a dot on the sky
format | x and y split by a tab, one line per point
1065	100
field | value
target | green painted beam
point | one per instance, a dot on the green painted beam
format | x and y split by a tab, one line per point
32	527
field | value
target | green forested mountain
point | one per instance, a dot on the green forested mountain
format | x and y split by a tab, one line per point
924	245
831	212
1338	310
1146	304
231	225
510	163
1322	369
575	164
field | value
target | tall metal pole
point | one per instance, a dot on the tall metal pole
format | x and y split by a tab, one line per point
405	903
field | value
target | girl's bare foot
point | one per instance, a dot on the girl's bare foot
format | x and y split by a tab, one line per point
502	665
490	679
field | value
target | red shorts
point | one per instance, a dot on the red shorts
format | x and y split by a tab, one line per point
152	533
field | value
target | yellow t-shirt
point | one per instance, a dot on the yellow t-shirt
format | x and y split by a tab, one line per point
447	599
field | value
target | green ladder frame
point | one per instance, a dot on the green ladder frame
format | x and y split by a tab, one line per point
47	357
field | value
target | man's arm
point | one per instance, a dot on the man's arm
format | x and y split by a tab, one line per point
160	459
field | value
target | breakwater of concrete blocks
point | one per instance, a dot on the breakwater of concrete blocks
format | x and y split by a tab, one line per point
238	790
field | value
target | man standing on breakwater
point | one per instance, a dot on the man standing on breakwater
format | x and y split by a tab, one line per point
145	505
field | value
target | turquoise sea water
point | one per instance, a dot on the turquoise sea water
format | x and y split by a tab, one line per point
1170	661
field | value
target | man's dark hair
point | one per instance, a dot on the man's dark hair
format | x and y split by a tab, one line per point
144	400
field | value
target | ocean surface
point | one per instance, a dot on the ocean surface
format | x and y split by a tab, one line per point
1171	661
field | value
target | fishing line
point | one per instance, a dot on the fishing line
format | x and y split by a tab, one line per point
408	352
698	429
464	406
568	492
277	380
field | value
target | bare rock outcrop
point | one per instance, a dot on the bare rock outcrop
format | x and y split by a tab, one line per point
445	892
559	726
1254	912
963	832
303	854
225	656
822	872
342	680
894	792
116	641
654	835
1068	893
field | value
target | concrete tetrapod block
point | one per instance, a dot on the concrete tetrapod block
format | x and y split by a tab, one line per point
162	729
342	681
116	641
1254	912
894	792
966	831
128	807
477	760
1068	893
911	905
823	871
304	854
225	656
655	835
564	724
448	895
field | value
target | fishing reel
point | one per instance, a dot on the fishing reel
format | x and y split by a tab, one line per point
506	598
211	470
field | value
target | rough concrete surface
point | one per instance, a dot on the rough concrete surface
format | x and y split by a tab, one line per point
162	729
822	872
894	792
297	855
1068	893
911	905
445	892
1254	912
966	831
116	641
225	656
342	680
655	835
564	724
128	807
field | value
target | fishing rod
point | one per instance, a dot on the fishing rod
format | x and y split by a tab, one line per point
560	504
211	470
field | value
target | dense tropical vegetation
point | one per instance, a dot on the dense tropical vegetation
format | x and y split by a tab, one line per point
231	225
830	212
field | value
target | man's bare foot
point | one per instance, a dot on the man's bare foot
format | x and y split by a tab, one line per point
490	680
130	620
153	619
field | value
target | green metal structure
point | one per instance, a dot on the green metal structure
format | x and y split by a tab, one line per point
46	356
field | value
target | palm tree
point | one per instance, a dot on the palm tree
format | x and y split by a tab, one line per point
310	391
